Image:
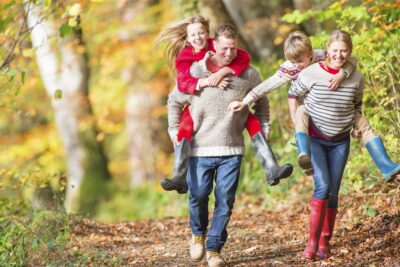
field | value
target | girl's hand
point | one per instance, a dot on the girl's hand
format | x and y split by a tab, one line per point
336	80
215	78
223	83
236	106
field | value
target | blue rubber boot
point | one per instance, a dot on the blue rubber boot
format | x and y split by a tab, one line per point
303	146
388	168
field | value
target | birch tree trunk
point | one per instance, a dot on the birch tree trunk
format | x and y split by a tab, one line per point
65	73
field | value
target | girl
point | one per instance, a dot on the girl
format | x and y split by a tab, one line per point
187	42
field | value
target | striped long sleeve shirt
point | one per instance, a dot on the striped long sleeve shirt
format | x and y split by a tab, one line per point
331	112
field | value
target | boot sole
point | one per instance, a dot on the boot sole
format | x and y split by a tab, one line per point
170	186
305	164
286	173
394	176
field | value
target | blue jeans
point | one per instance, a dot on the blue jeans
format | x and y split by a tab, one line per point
202	172
329	159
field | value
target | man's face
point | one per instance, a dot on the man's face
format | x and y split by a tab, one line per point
225	50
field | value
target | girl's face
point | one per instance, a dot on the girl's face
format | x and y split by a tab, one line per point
197	36
338	54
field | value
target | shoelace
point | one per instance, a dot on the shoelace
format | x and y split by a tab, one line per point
213	254
198	239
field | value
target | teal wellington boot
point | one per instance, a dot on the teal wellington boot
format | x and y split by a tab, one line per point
388	168
303	147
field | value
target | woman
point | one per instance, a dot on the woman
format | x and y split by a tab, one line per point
331	116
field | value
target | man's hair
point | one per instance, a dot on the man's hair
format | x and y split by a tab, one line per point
227	30
296	45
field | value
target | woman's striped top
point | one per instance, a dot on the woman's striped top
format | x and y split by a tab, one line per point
332	112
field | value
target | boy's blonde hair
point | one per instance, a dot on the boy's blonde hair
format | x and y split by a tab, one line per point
296	45
175	35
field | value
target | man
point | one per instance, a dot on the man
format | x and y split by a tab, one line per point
217	145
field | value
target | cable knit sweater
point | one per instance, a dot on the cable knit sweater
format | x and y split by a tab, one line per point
217	131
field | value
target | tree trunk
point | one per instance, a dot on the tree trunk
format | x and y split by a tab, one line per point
218	14
141	126
65	74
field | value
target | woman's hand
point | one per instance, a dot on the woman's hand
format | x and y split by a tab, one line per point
336	80
175	140
356	133
236	106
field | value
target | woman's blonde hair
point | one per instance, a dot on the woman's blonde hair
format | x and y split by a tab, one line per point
339	35
175	37
296	45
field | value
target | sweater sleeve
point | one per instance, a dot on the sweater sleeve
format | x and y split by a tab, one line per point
241	62
358	98
266	87
185	82
298	87
176	102
350	66
261	109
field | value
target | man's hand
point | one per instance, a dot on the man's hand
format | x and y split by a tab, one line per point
236	106
336	80
175	140
356	133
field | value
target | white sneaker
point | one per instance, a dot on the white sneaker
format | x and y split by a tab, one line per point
214	259
197	249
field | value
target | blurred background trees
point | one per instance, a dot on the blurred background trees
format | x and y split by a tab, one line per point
83	125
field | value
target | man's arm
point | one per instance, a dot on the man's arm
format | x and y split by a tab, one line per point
176	102
261	108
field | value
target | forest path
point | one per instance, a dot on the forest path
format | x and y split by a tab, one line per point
364	236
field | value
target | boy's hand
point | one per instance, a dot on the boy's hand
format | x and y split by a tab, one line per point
356	133
336	80
236	106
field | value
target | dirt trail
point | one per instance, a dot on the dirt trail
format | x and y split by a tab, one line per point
257	237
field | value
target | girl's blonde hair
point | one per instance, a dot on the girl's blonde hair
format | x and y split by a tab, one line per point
296	45
175	36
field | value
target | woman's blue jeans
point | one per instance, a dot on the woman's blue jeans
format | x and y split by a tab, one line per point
329	160
201	174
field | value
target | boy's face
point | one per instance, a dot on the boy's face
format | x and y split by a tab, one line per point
302	62
197	36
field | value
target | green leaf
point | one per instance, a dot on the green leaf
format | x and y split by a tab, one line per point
50	244
35	242
65	29
58	94
9	4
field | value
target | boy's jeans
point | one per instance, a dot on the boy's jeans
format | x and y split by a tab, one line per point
329	160
202	171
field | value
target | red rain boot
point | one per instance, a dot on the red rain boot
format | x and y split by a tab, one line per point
317	216
324	249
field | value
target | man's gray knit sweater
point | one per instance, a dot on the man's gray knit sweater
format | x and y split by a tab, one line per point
217	131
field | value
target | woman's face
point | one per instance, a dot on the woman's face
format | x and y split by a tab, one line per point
197	36
338	54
